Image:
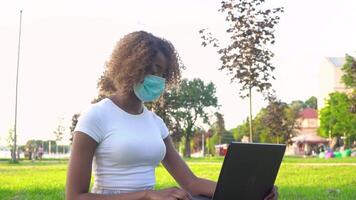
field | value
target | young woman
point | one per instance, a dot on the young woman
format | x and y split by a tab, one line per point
124	141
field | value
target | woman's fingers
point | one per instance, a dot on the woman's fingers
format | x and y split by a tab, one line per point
269	196
181	194
273	194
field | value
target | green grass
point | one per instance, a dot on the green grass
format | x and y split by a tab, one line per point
298	178
294	159
286	159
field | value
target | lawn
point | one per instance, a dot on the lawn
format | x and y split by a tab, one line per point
299	178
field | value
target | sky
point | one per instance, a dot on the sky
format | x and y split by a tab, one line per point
65	44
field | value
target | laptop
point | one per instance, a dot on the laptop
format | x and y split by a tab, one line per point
248	171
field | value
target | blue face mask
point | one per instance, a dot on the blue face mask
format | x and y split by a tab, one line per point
151	88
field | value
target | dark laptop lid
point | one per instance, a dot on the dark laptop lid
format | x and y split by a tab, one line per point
249	171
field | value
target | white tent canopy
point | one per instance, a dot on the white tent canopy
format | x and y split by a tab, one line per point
309	138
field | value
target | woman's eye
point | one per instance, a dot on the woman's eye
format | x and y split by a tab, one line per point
149	69
155	70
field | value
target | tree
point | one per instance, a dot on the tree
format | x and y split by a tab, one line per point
349	79
217	134
312	102
242	130
353	102
197	140
235	134
349	69
292	125
73	125
280	120
227	137
298	105
247	57
336	120
262	133
177	134
275	123
11	142
260	130
210	144
274	118
59	132
219	125
193	99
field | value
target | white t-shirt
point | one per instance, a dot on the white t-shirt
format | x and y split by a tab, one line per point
129	146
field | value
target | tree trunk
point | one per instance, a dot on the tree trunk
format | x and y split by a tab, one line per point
49	147
346	141
13	154
187	147
335	143
187	143
18	154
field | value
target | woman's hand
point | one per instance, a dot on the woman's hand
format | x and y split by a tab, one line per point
174	193
273	195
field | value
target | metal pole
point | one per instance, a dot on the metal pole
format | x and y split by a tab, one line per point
250	97
17	80
202	145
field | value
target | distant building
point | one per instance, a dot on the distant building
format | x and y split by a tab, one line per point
307	140
330	78
308	120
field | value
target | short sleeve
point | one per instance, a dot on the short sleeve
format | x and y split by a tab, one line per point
162	126
89	123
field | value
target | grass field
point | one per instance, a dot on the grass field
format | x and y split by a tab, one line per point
298	178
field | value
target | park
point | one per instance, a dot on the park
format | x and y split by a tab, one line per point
106	81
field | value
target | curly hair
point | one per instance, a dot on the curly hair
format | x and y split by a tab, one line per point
130	58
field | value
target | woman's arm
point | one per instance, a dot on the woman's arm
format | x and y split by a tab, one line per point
180	171
79	175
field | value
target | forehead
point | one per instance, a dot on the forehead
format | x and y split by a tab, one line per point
161	60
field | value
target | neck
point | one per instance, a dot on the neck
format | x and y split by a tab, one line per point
128	102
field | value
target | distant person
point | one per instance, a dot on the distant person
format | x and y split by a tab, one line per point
353	146
123	139
29	153
40	152
353	149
